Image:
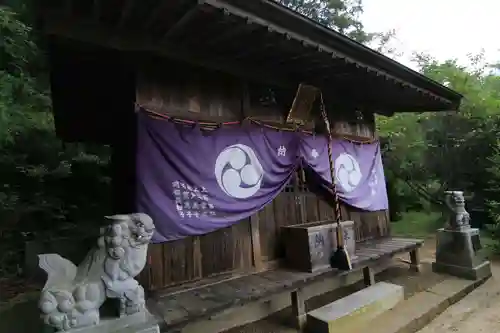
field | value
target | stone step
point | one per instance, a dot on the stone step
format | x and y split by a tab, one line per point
417	311
354	311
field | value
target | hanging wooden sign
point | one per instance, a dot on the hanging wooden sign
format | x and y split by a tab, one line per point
302	104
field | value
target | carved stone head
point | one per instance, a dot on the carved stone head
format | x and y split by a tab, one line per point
455	199
459	217
140	225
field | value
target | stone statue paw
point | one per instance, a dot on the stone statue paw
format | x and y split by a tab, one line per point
132	301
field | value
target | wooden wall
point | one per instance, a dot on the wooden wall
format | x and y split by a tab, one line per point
251	244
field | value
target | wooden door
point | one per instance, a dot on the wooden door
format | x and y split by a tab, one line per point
292	206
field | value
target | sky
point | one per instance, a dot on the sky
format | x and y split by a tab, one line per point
445	29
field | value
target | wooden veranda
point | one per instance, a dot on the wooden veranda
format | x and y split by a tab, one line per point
197	308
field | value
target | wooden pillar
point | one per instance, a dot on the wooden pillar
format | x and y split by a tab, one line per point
299	309
415	259
123	168
256	247
368	276
124	146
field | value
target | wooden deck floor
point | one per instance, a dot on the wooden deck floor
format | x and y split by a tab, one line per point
177	309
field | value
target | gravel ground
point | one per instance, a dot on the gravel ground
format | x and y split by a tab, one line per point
478	312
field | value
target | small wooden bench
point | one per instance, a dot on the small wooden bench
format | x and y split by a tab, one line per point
176	310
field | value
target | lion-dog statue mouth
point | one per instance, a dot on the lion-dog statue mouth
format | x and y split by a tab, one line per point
140	225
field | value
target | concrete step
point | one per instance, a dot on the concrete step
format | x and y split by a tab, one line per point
350	313
419	310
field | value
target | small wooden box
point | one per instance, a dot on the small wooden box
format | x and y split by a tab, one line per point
308	246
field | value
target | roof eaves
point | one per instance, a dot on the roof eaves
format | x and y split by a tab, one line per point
350	49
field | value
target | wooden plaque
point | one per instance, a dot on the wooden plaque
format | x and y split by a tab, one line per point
302	104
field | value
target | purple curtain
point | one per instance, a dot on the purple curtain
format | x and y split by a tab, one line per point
359	174
193	182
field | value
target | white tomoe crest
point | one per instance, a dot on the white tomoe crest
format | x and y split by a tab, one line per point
347	172
238	171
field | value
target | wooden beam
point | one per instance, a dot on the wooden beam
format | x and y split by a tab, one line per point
197	257
156	14
156	274
322	68
96	9
415	259
245	100
181	24
126	11
329	76
303	51
265	42
298	309
250	52
244	28
368	276
293	58
256	248
263	49
68	8
204	118
89	32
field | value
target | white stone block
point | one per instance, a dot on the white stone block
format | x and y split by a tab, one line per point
351	312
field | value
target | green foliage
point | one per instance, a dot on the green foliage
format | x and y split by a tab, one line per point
493	201
19	91
426	154
46	190
340	15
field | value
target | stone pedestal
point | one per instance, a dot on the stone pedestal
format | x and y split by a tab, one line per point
142	322
456	254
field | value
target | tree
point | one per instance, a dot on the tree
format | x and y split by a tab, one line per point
493	200
430	153
340	15
45	186
20	92
344	17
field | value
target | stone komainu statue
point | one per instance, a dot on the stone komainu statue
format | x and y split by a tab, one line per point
72	295
459	217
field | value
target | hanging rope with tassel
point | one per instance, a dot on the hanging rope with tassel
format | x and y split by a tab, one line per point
339	257
338	216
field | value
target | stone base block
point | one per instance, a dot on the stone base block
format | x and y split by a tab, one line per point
458	247
457	254
354	311
142	322
475	273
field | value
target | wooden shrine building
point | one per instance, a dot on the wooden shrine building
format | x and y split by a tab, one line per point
223	61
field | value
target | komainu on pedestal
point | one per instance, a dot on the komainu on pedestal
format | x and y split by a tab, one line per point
457	244
73	295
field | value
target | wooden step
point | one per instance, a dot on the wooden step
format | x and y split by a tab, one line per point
350	313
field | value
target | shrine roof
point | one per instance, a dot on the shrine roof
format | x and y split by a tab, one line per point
260	40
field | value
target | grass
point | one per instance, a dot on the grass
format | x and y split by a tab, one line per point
489	245
417	224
